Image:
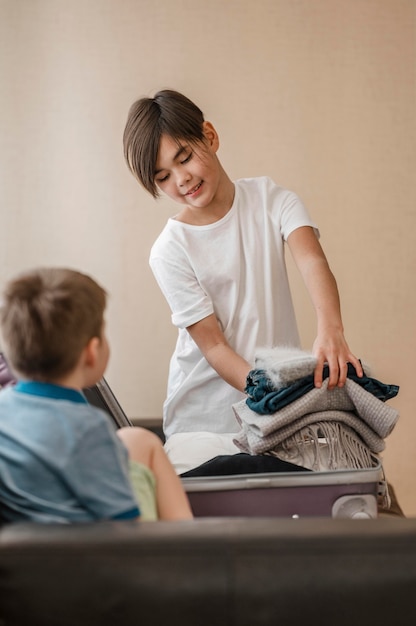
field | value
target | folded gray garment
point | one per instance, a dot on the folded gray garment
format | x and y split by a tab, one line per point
352	398
324	446
284	365
254	440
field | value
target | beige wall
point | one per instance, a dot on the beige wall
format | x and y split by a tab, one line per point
318	94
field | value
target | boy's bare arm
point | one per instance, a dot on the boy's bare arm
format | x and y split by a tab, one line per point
210	339
330	345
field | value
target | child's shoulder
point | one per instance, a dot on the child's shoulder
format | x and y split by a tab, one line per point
255	181
262	187
262	184
49	408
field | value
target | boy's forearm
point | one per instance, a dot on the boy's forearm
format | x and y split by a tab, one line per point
323	290
330	344
229	365
210	339
318	278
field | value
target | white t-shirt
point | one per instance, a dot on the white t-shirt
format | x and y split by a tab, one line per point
236	269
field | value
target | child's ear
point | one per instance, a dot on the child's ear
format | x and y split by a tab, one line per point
211	136
91	352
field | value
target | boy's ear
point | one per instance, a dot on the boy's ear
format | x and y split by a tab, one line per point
211	136
91	351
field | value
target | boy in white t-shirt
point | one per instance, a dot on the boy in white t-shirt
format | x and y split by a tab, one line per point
220	264
60	458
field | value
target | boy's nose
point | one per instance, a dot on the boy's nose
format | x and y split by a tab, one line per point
183	178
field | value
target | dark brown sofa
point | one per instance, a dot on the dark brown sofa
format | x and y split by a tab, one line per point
210	572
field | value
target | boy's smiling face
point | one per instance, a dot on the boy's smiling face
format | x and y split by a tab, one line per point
191	174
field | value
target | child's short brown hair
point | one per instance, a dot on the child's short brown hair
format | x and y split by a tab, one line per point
168	113
47	317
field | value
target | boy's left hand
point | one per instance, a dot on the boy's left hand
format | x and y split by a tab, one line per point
333	349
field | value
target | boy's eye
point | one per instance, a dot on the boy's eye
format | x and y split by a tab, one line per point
187	158
162	179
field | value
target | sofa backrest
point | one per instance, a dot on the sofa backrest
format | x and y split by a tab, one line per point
227	572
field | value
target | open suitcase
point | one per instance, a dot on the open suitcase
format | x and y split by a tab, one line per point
341	493
338	494
102	397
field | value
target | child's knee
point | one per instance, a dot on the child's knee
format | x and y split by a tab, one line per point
138	438
147	437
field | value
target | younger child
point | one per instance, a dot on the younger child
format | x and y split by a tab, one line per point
220	264
60	458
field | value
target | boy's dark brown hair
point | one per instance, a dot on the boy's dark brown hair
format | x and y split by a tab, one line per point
168	113
47	317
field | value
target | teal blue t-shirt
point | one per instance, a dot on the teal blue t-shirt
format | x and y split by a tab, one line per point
60	459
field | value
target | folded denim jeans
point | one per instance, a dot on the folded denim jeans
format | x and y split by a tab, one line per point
266	399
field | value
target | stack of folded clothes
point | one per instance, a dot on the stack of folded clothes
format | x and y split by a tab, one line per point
285	416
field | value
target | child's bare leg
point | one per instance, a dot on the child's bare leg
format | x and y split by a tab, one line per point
146	447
